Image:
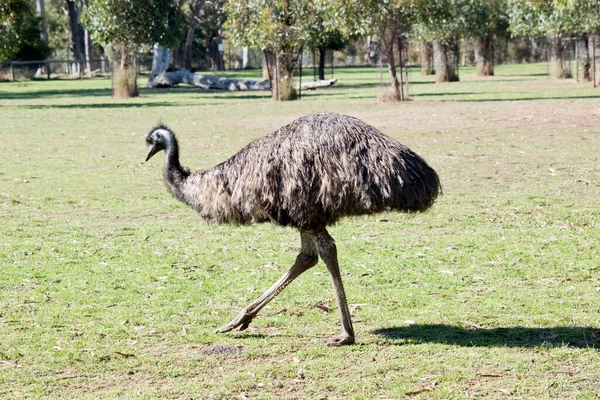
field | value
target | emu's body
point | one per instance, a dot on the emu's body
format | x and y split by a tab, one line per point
308	174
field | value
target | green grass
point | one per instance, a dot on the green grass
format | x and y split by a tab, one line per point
110	288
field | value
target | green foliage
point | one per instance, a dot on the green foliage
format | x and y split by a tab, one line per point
280	26
449	20
586	15
553	17
213	17
139	22
361	18
486	18
441	21
20	32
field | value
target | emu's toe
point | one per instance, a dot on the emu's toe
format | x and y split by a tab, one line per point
241	322
340	340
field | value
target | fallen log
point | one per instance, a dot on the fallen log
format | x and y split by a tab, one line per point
172	78
316	84
168	79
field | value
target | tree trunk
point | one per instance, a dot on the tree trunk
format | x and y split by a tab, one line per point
189	35
244	57
388	39
586	61
444	63
283	85
215	47
161	57
557	65
484	56
76	41
88	53
124	75
321	69
268	63
427	58
41	12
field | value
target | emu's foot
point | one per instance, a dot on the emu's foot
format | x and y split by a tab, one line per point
241	322
340	340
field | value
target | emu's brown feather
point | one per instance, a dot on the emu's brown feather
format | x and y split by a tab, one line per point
309	174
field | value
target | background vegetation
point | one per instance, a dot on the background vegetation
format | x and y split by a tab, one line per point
277	35
111	288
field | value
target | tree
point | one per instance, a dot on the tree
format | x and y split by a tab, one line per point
21	32
325	35
443	23
196	8
487	22
211	26
127	24
553	18
586	24
76	39
391	21
280	27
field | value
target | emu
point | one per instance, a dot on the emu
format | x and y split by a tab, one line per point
306	175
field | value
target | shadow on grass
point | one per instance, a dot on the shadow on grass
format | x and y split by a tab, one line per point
102	105
577	337
506	98
446	94
41	94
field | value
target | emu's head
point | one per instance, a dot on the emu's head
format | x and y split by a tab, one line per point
159	138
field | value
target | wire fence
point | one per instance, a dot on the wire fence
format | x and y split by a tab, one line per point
49	69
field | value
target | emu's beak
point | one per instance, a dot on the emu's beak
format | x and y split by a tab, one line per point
152	150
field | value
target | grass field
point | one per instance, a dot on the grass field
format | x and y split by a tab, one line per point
109	288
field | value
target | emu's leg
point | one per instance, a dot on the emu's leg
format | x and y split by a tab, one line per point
328	253
306	259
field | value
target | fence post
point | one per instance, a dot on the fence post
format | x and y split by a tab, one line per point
12	71
48	69
594	60
300	87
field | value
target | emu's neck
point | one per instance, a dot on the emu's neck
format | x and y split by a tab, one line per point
174	174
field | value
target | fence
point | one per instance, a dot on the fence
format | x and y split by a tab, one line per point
577	58
15	70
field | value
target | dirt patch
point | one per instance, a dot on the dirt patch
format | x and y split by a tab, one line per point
221	350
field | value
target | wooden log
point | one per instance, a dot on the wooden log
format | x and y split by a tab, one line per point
316	84
168	79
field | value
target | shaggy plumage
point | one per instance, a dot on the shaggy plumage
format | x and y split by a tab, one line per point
308	174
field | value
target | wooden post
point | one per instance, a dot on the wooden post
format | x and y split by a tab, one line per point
300	87
314	65
332	64
406	71
594	60
547	60
380	69
400	63
576	61
276	76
